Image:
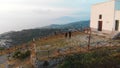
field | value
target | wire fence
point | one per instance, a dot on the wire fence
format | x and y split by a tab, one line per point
56	53
56	56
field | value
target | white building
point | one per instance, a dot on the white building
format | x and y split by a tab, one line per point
105	17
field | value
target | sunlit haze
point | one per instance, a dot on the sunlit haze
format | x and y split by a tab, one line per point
25	14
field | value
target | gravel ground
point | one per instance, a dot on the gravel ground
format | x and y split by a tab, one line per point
3	61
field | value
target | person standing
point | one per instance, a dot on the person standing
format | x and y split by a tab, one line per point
70	34
66	34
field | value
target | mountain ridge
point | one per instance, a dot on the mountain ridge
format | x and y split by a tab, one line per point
69	25
19	37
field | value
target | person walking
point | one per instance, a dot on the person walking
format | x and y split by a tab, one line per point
66	34
70	34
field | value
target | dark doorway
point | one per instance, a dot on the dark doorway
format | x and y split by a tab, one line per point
99	25
117	25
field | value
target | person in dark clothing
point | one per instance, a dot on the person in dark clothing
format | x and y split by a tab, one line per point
55	33
70	34
66	34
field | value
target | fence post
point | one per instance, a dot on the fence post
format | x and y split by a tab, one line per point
89	39
48	53
70	49
58	51
110	43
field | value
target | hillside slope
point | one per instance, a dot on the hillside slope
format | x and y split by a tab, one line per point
18	37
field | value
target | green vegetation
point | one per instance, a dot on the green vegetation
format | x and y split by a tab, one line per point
21	55
46	63
108	57
1	48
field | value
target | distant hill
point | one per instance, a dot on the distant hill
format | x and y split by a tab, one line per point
18	37
24	36
75	25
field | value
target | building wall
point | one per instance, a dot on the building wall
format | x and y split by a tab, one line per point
117	17
106	9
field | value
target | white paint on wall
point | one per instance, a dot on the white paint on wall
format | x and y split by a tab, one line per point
105	9
110	12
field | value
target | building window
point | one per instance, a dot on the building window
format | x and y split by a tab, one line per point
100	16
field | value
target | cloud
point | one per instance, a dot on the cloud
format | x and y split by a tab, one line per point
24	14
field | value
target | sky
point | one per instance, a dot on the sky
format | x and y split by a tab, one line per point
25	14
117	5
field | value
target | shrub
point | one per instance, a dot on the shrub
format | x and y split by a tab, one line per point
101	58
1	48
46	63
21	55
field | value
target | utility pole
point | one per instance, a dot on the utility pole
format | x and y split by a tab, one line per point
89	38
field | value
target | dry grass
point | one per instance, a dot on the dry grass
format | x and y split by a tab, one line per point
77	43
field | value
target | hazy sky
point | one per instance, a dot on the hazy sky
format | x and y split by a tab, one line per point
25	14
